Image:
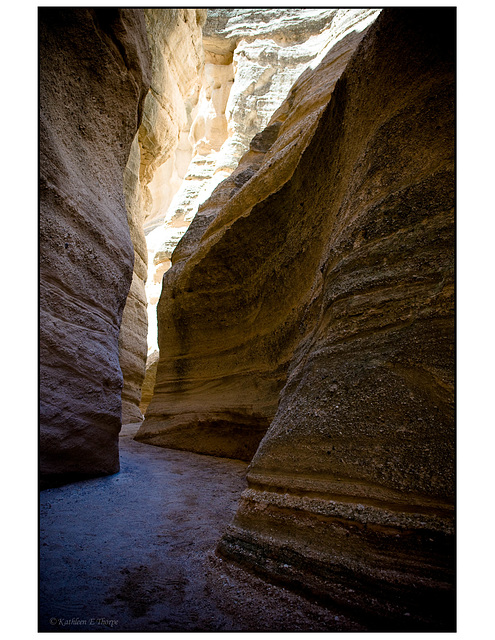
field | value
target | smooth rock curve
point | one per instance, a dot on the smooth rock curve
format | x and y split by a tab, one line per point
224	352
352	491
94	75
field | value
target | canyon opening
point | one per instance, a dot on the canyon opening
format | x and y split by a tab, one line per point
247	306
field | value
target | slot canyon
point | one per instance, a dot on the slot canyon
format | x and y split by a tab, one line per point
247	319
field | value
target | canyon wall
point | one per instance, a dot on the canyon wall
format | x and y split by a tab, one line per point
94	76
252	58
218	381
133	345
310	305
155	169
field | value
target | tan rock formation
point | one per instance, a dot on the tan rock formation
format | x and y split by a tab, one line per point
149	380
315	287
253	57
94	75
154	170
232	376
175	37
133	344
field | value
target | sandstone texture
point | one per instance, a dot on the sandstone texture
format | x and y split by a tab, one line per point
221	372
94	75
177	53
154	170
252	59
311	302
133	344
149	381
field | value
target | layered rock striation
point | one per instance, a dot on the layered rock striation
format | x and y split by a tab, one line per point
232	377
220	373
94	76
312	302
156	166
252	58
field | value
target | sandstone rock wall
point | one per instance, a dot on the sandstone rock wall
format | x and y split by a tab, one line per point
351	493
252	58
149	381
177	53
231	368
314	294
133	344
94	75
155	168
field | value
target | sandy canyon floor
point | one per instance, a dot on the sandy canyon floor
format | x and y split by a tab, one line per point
136	552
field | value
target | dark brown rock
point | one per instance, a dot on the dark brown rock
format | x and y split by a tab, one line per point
320	293
94	74
351	492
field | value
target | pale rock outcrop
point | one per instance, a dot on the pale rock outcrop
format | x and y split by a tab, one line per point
268	49
313	295
155	168
94	75
177	52
252	58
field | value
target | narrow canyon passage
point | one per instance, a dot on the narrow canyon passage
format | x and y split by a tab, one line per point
247	255
136	552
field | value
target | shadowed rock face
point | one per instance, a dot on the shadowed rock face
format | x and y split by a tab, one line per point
94	75
226	329
252	59
316	288
152	170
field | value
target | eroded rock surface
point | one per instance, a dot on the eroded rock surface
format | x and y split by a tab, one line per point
252	59
133	344
220	374
94	75
177	53
159	157
314	294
